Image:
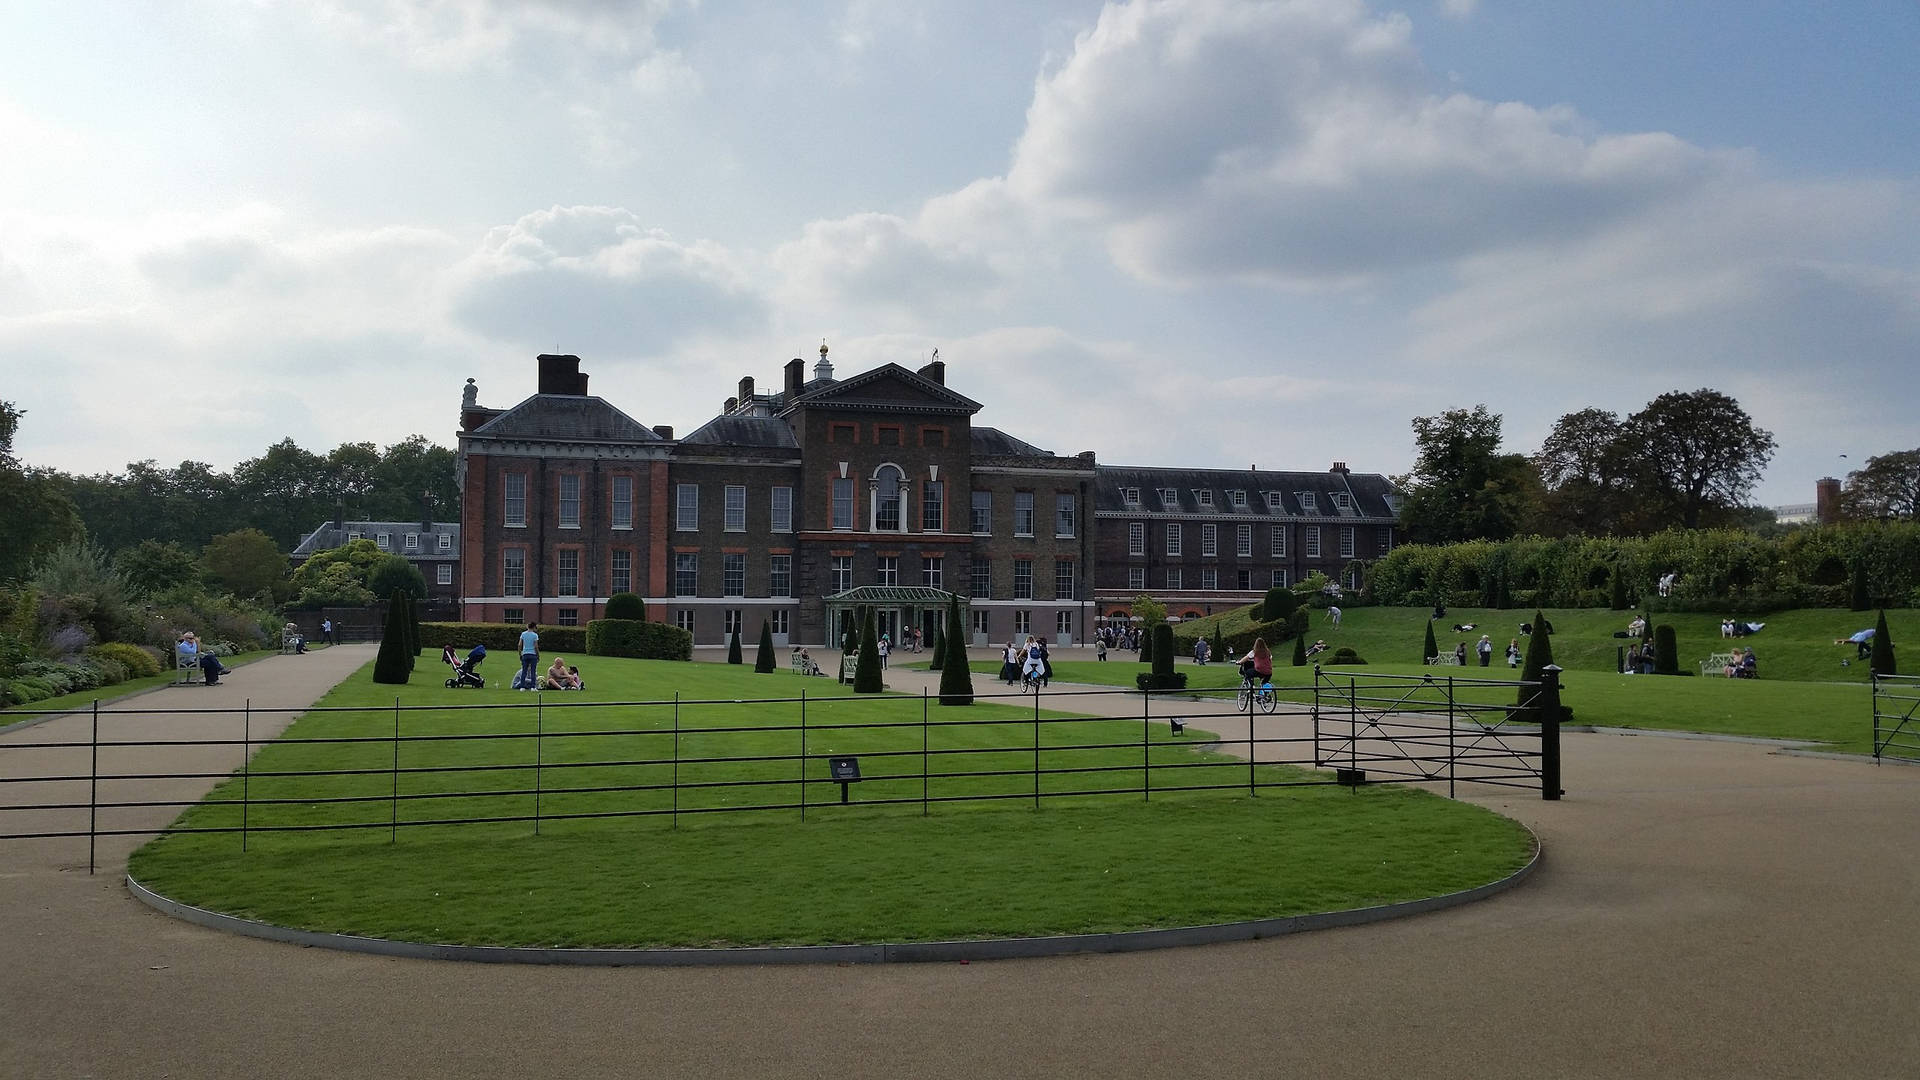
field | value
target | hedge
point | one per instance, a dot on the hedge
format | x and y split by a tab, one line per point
505	637
1148	680
637	639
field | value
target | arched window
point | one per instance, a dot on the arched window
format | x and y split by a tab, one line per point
889	499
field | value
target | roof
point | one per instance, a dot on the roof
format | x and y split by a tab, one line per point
895	594
1369	491
888	386
329	536
993	442
566	416
765	431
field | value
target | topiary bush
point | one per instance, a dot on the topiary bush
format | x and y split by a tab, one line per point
1432	648
866	670
1163	651
1880	661
763	661
1539	655
1666	651
394	663
630	637
956	680
1278	605
733	648
1299	652
625	605
1344	655
938	661
1152	680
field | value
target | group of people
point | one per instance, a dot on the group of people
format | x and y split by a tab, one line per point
1027	662
1116	637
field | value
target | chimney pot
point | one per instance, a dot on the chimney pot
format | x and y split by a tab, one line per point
665	431
937	371
728	406
746	389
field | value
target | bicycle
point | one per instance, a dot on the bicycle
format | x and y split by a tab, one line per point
1251	694
1032	680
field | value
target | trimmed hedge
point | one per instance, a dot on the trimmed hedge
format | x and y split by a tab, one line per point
1148	680
635	638
1344	655
626	605
505	637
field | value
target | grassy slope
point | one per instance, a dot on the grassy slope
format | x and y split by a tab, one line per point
1107	862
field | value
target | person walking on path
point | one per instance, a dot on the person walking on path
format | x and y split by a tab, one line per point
1485	648
885	648
326	631
529	657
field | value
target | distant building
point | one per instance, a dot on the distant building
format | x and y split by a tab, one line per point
1797	514
878	490
432	546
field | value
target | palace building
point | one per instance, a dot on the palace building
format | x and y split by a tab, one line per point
800	505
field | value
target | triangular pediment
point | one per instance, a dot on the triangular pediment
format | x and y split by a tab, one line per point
889	386
565	416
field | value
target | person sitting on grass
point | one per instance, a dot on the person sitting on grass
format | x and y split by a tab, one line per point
559	677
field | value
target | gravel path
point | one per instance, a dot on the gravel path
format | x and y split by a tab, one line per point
1705	909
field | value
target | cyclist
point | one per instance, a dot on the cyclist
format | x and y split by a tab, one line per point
1256	667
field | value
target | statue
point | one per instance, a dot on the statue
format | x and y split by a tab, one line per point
470	395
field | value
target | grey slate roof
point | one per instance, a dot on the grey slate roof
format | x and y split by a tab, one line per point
993	442
1369	493
885	386
327	536
566	416
758	431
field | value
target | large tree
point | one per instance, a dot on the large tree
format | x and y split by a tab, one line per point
1888	486
1584	464
36	515
285	491
1696	457
247	563
1462	487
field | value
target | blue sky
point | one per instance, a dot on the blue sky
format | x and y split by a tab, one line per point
1189	232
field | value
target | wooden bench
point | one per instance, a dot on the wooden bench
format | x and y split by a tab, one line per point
1718	663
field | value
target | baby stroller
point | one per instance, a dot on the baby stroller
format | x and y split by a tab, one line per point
465	672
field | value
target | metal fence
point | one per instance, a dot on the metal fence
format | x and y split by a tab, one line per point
557	758
1896	726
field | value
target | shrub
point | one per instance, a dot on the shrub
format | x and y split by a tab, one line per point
626	605
627	637
1859	586
763	661
1432	648
1299	652
1146	644
393	573
1881	660
140	663
1666	651
956	681
1344	655
866	671
1163	653
1153	680
938	661
504	638
1539	655
733	647
393	663
1218	653
1279	604
1619	599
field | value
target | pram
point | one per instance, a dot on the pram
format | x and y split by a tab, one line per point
465	672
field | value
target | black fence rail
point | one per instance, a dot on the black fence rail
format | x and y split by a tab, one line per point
174	772
1896	717
1439	729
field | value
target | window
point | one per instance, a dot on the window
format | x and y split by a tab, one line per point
982	513
1346	541
931	571
733	619
733	574
981	621
1243	541
981	584
842	570
1130	496
686	573
513	572
1136	578
888	434
683	618
1169	497
1063	514
780	576
623	571
1307	502
446	573
1173	539
1273	501
1023	579
843	502
1022	513
783	509
1063	579
1209	541
570	501
1237	499
1204	496
1313	541
1343	500
515	514
1063	625
888	495
413	541
886	570
514	615
1136	538
840	431
1209	578
622	502
1279	579
933	511
1022	622
569	572
1173	577
686	515
778	618
385	540
1383	543
446	541
1243	580
733	509
1277	544
569	616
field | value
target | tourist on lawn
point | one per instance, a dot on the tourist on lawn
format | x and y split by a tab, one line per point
1333	616
529	658
1485	649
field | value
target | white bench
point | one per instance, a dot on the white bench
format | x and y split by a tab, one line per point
1718	663
1444	660
849	664
188	667
803	665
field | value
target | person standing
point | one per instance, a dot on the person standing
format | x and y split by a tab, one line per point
326	631
1333	615
1100	646
885	648
529	657
1460	654
1485	648
1513	652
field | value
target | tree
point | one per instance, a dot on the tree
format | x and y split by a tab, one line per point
1666	651
36	513
733	648
956	681
1880	661
1696	456
285	491
1151	613
1583	465
1618	576
1218	652
349	479
763	660
1859	585
1461	486
1539	655
1431	648
1299	650
1278	604
415	478
393	572
153	567
246	562
336	585
392	664
1888	486
866	670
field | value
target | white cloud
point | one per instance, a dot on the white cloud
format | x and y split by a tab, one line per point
457	34
879	263
1459	9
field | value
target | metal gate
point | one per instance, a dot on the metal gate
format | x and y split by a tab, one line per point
1896	724
1439	728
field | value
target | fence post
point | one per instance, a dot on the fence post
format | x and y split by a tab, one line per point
1036	748
1453	752
1146	748
1873	699
539	731
675	786
1316	716
803	754
1550	733
1250	777
923	751
393	822
246	766
93	788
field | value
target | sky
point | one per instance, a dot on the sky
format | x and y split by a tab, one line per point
1191	233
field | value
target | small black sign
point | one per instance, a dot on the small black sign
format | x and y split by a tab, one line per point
844	769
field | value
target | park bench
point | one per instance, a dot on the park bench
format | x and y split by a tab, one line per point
187	667
1718	663
803	665
1444	660
848	665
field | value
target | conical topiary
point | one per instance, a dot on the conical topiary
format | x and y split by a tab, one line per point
1539	655
413	630
1299	651
938	660
1219	651
956	681
1881	659
1163	651
733	647
866	671
763	663
1860	601
392	664
1666	651
1431	649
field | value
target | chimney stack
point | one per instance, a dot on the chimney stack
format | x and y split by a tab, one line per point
1340	467
665	431
1826	500
727	407
560	374
937	371
746	390
796	376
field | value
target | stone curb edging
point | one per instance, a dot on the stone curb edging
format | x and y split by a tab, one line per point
1700	736
905	952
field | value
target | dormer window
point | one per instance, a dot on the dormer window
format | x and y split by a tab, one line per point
1169	497
1306	501
1130	496
1203	496
1343	500
1237	499
384	540
1273	500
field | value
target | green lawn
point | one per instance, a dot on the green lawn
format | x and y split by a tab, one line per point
1092	863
